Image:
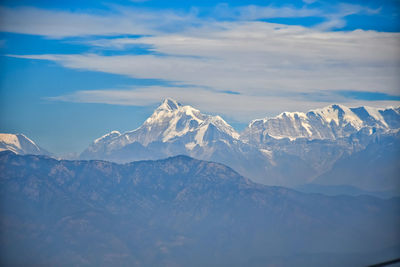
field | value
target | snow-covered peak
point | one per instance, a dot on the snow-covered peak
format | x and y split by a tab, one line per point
10	139
222	125
19	144
169	104
171	122
290	115
170	109
331	122
384	117
339	114
107	137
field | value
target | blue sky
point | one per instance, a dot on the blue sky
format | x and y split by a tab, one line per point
75	70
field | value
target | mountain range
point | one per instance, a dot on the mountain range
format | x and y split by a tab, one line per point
179	212
292	149
173	192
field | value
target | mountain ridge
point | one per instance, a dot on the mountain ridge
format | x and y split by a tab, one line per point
167	124
334	113
331	122
306	145
178	211
296	155
20	144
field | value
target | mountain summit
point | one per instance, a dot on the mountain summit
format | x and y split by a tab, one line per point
183	128
289	149
169	104
332	122
20	144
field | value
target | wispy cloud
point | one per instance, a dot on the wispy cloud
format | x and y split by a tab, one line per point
334	15
269	67
336	19
235	107
253	12
61	24
124	20
256	57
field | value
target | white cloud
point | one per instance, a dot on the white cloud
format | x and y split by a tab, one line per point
61	24
253	12
241	108
127	20
256	58
336	19
270	65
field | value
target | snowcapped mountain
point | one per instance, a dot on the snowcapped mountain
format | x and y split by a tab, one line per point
332	122
184	128
290	149
322	137
20	144
175	129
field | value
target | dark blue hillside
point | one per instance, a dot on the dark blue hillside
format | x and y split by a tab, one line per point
179	212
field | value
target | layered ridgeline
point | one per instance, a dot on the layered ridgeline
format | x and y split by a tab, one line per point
174	129
171	124
179	212
329	123
358	147
20	144
290	149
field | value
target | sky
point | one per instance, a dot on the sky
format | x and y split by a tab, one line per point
72	71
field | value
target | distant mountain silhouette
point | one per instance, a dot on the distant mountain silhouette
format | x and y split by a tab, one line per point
179	212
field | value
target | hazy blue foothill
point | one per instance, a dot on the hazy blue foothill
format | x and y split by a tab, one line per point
178	212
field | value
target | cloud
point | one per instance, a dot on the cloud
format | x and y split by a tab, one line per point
118	21
253	12
336	18
236	107
255	58
241	68
333	14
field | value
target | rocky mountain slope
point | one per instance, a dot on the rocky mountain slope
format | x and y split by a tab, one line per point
179	212
332	123
171	123
377	166
290	149
20	144
174	129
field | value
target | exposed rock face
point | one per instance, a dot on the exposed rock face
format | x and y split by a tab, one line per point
332	123
290	149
